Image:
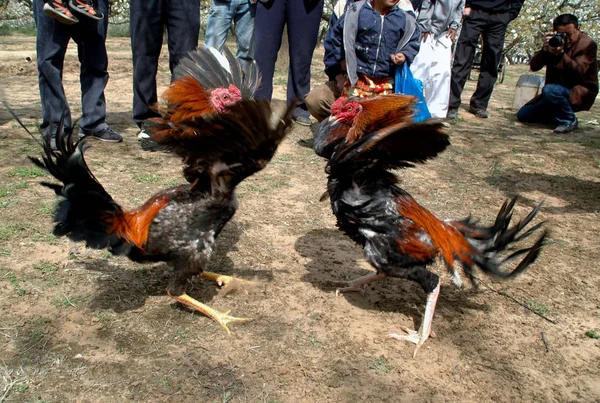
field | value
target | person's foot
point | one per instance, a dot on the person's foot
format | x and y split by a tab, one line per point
308	143
86	7
566	128
142	135
480	113
107	134
452	113
59	10
302	120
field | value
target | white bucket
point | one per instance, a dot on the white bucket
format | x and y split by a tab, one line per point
528	87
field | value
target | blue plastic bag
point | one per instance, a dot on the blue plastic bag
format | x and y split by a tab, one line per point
406	84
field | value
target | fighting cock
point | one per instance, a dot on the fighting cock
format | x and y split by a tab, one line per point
206	82
178	225
363	140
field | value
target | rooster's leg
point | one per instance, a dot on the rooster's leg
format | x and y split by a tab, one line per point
221	279
222	318
425	330
356	285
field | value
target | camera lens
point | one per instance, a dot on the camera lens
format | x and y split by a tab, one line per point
556	41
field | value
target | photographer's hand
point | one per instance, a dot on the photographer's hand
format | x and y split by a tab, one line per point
547	37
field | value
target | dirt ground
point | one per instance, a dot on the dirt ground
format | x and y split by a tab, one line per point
80	325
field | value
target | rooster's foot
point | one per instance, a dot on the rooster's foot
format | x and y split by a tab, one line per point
223	280
222	318
425	330
356	285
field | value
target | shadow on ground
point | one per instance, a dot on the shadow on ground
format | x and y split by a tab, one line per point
334	258
579	195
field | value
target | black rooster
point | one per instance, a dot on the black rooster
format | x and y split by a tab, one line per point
363	140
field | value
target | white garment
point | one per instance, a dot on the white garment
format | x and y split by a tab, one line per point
432	66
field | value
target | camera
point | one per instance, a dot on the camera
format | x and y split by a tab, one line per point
557	40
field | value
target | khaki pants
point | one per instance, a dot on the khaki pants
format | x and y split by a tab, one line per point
320	99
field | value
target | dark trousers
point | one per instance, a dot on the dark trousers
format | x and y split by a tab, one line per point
492	28
148	18
51	46
552	107
302	18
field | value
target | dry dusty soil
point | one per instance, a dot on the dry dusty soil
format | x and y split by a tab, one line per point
80	325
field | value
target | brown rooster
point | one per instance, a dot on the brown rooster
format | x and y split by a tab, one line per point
178	225
363	140
206	82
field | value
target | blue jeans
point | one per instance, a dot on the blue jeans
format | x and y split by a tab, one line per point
302	18
222	14
552	107
51	46
147	19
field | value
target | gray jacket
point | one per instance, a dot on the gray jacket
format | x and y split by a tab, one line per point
438	16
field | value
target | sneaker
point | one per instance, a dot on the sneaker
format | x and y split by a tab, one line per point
452	113
59	10
308	143
302	120
142	135
86	7
107	134
569	127
480	113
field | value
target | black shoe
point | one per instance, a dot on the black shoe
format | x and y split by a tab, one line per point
480	113
308	143
302	120
452	113
569	127
107	134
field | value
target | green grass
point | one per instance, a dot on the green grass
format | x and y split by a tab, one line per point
593	334
45	267
118	30
9	190
47	209
27	172
538	307
150	178
12	231
27	29
4	252
380	365
66	301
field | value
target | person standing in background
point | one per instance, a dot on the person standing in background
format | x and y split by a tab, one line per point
488	18
302	18
53	36
148	19
222	14
438	21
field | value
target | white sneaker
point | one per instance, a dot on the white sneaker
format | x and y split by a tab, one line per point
142	135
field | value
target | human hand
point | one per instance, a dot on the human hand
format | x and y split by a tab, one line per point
467	11
425	35
451	34
398	58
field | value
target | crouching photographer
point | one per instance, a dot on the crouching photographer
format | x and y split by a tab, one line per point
569	56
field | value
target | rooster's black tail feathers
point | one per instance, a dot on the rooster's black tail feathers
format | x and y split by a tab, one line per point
490	242
84	213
